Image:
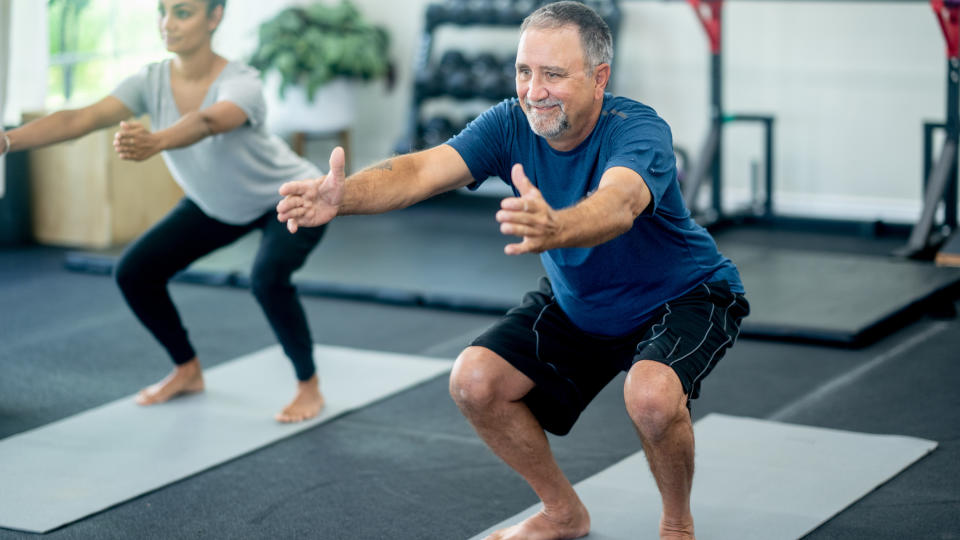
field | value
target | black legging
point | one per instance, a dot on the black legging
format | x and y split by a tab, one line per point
186	234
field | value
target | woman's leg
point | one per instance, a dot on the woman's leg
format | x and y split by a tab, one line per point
279	256
181	237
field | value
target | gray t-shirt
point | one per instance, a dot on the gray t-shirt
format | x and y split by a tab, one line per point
232	176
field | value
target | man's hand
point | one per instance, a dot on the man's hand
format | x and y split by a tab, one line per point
528	216
311	203
134	142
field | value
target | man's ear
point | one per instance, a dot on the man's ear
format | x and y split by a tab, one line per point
601	77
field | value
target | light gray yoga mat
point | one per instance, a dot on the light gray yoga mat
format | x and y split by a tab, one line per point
755	479
72	468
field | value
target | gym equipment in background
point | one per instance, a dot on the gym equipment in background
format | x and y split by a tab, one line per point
448	253
708	165
940	181
469	76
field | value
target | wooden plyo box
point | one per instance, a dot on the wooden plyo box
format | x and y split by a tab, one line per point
84	195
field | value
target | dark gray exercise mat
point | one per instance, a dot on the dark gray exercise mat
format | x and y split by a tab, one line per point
441	255
450	254
851	299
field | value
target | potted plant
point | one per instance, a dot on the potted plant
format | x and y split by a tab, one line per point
309	56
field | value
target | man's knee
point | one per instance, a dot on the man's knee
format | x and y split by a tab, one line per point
480	377
471	380
654	398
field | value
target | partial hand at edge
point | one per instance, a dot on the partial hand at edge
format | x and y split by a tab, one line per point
314	202
528	216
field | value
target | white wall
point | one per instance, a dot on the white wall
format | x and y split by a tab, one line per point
27	61
850	84
23	35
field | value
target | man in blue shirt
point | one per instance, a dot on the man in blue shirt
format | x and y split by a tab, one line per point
633	284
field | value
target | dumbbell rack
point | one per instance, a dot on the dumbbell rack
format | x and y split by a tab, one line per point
434	79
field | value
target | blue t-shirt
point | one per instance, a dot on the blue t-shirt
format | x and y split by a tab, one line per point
611	288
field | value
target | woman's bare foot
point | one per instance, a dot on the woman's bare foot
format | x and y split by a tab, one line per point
546	525
184	379
307	403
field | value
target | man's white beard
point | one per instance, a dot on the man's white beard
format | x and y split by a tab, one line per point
548	128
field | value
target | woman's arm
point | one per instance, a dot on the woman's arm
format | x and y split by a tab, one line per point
134	142
65	125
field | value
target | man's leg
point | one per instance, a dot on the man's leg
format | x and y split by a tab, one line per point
658	407
488	390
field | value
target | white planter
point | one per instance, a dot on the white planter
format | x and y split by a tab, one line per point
332	108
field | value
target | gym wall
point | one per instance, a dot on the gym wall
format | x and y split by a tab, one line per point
850	84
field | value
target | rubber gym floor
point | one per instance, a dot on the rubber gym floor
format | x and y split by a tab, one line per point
409	466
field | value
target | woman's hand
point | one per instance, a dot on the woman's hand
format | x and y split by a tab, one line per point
135	143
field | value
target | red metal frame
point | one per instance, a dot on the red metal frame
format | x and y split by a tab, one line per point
709	13
948	15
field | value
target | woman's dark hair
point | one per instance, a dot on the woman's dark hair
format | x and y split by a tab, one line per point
212	5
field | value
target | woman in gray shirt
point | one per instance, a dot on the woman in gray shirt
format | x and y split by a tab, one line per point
208	116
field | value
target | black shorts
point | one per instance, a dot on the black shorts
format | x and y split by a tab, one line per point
570	367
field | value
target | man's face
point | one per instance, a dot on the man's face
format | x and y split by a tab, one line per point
557	91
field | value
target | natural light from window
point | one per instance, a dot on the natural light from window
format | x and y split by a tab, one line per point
95	44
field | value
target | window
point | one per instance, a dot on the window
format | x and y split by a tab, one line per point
95	44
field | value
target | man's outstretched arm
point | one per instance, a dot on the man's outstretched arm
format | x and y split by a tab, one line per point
394	183
621	196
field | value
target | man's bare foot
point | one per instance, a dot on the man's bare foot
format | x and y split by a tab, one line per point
184	379
305	405
546	525
676	529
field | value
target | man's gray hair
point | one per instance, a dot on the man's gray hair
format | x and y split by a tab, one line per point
595	37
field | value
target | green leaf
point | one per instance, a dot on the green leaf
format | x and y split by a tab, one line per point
313	44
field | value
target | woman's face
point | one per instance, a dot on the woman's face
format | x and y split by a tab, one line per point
185	25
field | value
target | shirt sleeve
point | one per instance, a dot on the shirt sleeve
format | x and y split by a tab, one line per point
645	145
132	91
482	144
244	90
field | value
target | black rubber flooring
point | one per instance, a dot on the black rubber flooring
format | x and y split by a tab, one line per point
449	254
410	467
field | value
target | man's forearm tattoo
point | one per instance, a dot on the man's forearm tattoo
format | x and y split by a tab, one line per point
383	166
